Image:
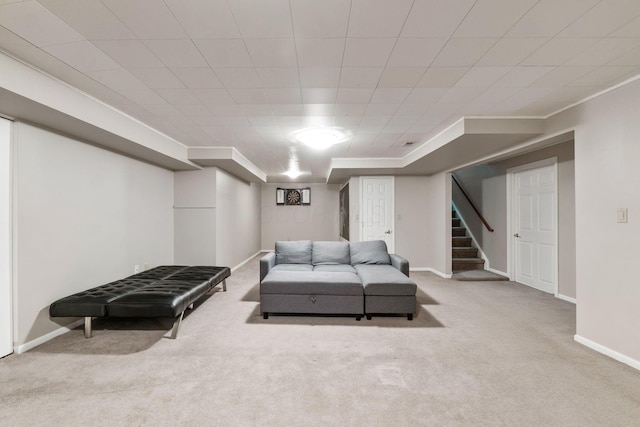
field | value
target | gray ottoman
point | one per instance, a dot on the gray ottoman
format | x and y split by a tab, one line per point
387	290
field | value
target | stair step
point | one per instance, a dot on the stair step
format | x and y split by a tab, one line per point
461	242
455	222
464	252
458	231
466	264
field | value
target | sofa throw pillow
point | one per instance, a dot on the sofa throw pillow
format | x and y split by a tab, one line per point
330	253
369	252
294	252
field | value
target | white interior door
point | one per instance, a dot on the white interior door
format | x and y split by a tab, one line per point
6	336
535	227
378	210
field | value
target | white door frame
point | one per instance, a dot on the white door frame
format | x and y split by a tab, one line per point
6	245
391	178
511	188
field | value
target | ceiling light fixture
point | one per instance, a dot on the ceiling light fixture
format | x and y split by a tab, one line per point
319	138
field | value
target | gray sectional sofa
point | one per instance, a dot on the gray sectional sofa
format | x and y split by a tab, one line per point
322	277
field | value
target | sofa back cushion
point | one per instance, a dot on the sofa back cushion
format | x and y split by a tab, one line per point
369	252
330	253
294	252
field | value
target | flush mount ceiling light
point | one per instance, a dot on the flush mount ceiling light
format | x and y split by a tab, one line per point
319	138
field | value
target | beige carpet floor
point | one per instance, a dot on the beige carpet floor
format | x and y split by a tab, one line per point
477	353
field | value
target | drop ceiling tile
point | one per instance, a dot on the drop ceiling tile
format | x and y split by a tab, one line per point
347	119
34	23
205	19
129	53
248	96
224	52
213	96
157	78
604	18
629	58
605	51
413	111
604	76
511	51
356	110
415	52
147	19
461	52
423	21
360	77
425	96
442	76
145	97
523	76
197	78
548	17
460	95
117	79
255	110
320	77
354	95
194	110
177	53
262	120
316	114
83	56
272	52
559	50
520	100
319	95
377	18
90	18
370	52
320	19
238	78
482	76
178	96
630	29
561	76
492	18
283	95
279	77
270	19
381	110
320	52
389	95
287	109
495	95
397	77
162	110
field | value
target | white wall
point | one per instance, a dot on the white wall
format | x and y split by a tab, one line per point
83	217
238	224
607	155
319	221
439	223
487	187
6	324
412	222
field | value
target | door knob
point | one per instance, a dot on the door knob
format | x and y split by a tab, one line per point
387	232
517	235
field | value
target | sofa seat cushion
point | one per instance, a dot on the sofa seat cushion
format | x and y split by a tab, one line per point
293	252
311	283
336	268
330	253
385	280
292	267
369	252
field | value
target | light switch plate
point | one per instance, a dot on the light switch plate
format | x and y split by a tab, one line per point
623	215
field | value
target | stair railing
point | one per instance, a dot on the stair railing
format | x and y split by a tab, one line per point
464	193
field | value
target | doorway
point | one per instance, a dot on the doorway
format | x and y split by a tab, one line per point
378	210
6	335
533	230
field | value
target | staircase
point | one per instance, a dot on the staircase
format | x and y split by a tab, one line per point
464	256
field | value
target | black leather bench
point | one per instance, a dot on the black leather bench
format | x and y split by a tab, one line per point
165	291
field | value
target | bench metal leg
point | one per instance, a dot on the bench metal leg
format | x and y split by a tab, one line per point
176	326
224	285
87	327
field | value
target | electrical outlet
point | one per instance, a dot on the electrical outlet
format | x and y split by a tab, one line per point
136	268
623	215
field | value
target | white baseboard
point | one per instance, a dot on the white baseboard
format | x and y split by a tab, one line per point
51	335
568	299
608	352
246	261
432	270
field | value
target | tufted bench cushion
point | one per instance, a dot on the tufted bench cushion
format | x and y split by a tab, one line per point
165	291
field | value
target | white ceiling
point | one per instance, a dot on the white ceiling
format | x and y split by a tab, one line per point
247	73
